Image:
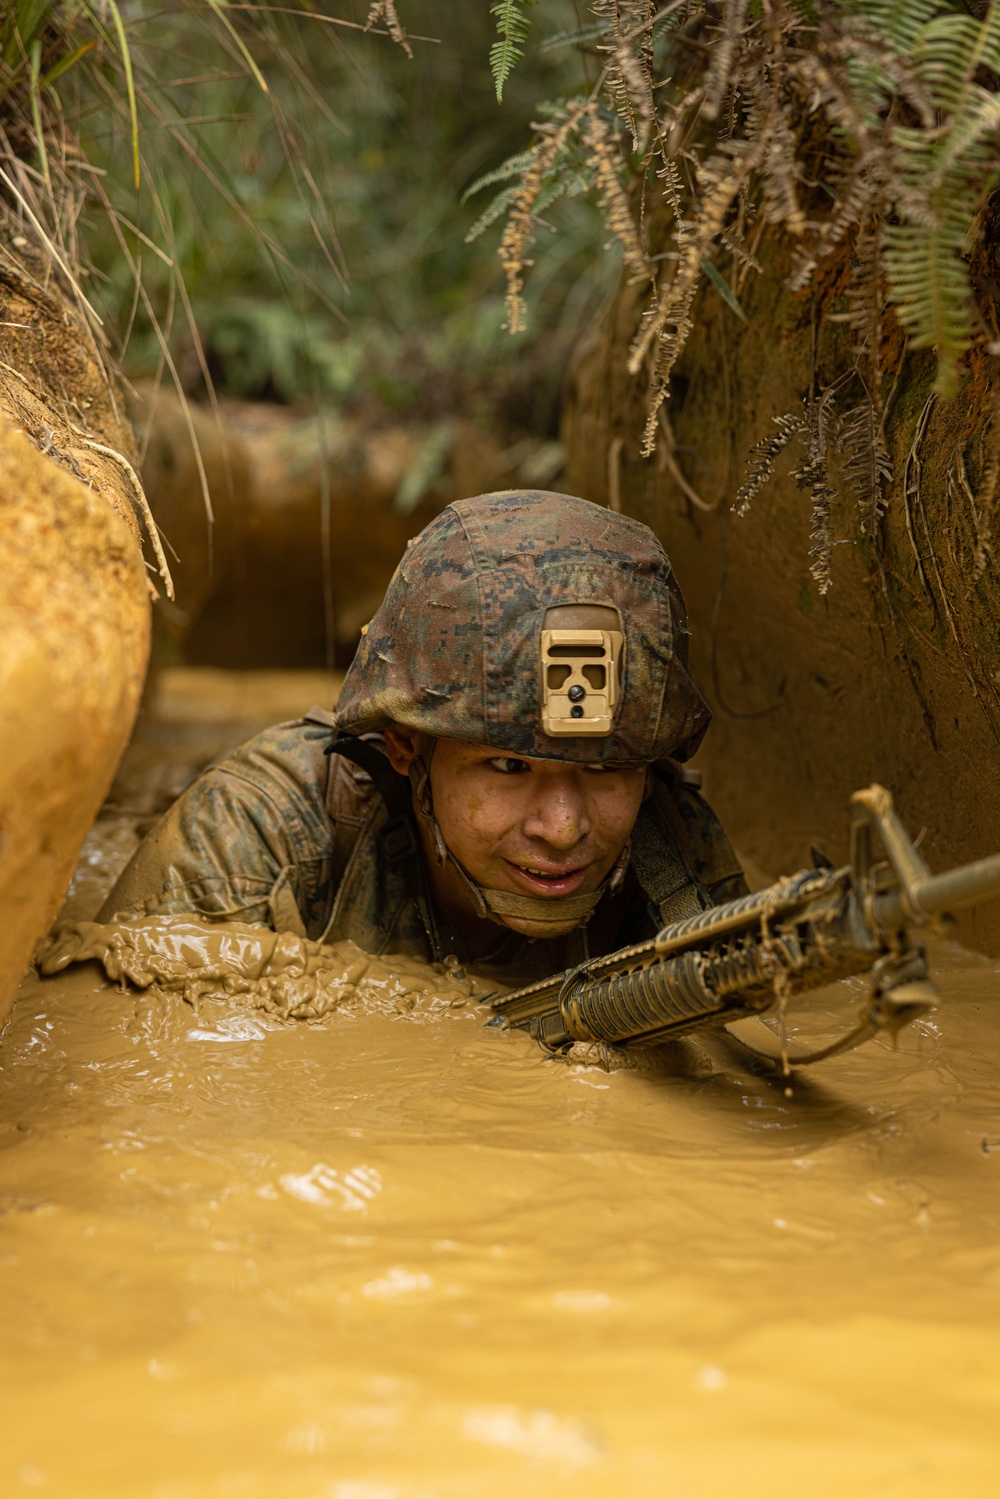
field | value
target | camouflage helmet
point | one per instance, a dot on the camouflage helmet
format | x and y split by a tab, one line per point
469	638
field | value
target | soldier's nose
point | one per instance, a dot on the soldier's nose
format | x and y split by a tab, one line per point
558	818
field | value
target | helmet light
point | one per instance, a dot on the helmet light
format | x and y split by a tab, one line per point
581	648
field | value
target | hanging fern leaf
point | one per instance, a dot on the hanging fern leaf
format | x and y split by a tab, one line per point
579	36
930	286
813	473
764	455
513	26
514	166
568	175
867	465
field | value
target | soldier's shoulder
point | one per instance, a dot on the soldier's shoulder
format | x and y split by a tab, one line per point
285	752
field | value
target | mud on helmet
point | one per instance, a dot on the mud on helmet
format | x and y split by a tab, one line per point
538	625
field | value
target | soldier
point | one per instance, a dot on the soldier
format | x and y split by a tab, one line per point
500	783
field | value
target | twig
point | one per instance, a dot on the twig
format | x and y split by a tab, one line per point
911	489
674	467
154	535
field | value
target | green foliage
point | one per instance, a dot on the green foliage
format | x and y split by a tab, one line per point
571	176
513	25
21	24
867	128
946	173
307	243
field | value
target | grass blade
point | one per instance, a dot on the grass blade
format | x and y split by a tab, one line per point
35	58
126	56
64	64
245	53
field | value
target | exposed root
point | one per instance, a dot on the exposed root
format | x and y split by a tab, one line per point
140	494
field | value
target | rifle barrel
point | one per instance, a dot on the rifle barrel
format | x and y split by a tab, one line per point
939	893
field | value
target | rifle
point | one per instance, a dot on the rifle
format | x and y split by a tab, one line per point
739	959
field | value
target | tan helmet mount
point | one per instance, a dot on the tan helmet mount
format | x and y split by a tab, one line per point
581	651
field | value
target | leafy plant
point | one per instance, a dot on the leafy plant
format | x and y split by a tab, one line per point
513	25
294	230
871	125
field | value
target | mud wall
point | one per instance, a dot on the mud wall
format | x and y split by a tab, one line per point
892	676
74	602
311	516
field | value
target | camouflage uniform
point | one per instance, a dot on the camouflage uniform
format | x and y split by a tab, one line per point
286	833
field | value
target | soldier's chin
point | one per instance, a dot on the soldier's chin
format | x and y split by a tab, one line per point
535	929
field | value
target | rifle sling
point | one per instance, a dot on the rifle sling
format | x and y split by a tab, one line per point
662	870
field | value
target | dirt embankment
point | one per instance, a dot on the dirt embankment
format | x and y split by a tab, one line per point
893	674
74	605
310	516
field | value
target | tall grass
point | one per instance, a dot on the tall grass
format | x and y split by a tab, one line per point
271	197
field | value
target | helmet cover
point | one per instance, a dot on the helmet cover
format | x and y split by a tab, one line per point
455	648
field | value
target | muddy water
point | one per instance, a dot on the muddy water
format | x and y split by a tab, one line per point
391	1254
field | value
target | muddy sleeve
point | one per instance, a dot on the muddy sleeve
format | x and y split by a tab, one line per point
248	841
214	853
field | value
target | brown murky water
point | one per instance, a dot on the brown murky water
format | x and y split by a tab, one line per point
390	1254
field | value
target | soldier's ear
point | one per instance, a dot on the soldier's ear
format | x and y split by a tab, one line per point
402	744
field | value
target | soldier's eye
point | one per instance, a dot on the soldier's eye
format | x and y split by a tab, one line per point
508	766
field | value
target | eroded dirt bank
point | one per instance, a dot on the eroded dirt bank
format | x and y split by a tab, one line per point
390	1254
893	675
74	606
310	515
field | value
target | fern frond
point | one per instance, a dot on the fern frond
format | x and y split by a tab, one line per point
565	179
900	22
513	26
813	473
577	36
781	172
493	211
930	287
977	123
763	456
854	195
720	180
867	466
514	166
553	139
949	51
720	68
385	11
617	212
637	89
875	73
739	250
821	536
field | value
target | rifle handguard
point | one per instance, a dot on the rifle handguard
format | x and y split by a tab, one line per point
736	960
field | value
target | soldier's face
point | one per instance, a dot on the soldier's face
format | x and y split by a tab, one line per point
532	827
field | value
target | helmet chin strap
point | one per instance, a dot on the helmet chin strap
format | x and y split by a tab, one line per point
552	915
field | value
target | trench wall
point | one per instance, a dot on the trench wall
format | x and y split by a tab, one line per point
892	675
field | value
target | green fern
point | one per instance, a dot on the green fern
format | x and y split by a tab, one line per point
569	177
579	36
512	167
945	173
513	26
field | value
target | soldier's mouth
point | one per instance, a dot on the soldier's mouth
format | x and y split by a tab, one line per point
542	881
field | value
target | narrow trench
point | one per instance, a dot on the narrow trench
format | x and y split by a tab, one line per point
389	1252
